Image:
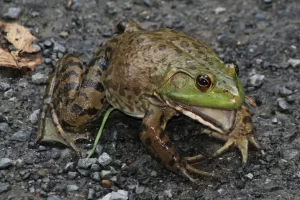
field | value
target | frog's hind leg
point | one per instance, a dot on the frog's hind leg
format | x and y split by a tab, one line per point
69	140
47	99
158	143
46	128
74	97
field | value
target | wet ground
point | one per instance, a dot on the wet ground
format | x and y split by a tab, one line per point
262	36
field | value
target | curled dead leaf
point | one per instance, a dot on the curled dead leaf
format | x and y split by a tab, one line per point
20	37
25	54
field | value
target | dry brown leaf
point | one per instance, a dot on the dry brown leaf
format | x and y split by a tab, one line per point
22	40
20	37
28	61
6	59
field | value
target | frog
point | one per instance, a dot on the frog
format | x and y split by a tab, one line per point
153	75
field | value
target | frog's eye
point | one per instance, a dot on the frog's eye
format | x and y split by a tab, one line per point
203	82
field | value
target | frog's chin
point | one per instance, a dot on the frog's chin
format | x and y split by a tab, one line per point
217	119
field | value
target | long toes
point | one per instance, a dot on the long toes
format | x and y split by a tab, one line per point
187	175
242	145
196	171
224	148
76	149
194	159
37	140
252	140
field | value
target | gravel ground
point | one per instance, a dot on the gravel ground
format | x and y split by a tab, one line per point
262	36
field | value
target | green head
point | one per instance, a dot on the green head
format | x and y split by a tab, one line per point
210	96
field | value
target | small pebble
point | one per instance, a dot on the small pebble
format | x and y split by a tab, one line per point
21	136
42	148
294	62
9	93
111	8
291	98
290	154
47	43
39	78
59	55
219	10
72	188
106	197
227	40
91	194
140	189
4	86
36	47
256	80
119	195
35	14
148	3
95	168
4	187
59	48
84	172
285	92
5	163
106	174
168	193
96	176
86	163
283	106
267	1
250	176
99	149
3	126
107	34
72	175
47	61
106	183
274	120
69	166
153	174
127	6
64	34
34	117
104	159
54	197
12	13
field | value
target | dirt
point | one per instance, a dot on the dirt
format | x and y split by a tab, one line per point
260	36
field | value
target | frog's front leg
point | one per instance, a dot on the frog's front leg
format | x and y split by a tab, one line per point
158	143
240	135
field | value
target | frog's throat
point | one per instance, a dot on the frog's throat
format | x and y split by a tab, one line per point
217	119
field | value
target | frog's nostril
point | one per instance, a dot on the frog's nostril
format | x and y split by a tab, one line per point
225	90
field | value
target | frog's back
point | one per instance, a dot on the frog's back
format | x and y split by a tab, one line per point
141	61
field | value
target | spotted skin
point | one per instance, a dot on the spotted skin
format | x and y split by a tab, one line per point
128	73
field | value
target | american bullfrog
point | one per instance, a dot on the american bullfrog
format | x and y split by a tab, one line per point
153	75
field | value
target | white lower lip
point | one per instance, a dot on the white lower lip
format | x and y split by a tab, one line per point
226	126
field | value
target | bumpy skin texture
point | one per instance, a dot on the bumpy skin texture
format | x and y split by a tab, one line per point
151	75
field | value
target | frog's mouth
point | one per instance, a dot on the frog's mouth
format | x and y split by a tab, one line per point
217	119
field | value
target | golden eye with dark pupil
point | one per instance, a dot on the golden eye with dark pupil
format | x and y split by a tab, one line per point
203	82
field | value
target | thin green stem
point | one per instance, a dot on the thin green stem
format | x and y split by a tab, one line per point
107	113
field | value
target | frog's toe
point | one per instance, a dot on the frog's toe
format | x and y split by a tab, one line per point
196	171
241	143
194	159
51	135
188	170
